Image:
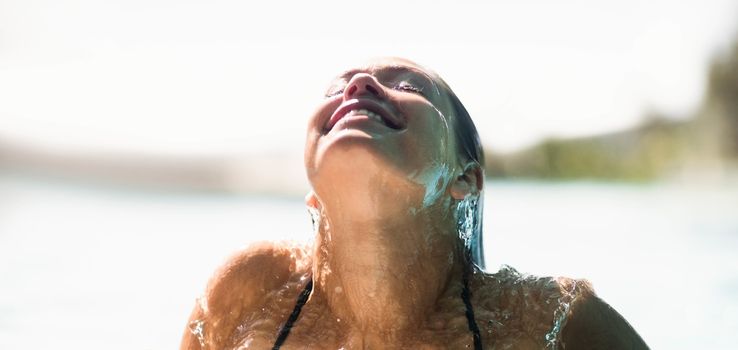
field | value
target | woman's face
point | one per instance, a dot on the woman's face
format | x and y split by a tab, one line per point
388	119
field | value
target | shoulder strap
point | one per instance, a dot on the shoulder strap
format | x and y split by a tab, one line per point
285	330
465	295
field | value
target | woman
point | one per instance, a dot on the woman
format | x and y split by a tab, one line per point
396	169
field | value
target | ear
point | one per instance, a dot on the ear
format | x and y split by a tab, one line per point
311	200
469	182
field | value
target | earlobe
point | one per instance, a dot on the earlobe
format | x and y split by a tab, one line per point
470	182
459	189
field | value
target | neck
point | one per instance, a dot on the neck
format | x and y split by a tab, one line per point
382	271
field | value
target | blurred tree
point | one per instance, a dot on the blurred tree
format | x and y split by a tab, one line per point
721	102
657	147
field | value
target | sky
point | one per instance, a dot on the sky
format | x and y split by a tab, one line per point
236	77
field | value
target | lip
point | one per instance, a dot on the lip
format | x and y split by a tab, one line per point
390	119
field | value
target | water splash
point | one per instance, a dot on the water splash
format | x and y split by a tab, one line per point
435	179
465	210
527	304
467	219
560	315
197	328
469	226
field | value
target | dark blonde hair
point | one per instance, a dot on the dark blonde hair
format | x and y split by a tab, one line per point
470	148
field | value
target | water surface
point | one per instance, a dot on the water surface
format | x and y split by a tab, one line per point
93	267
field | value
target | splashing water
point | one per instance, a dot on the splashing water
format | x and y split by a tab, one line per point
527	304
466	219
435	179
562	311
469	226
197	328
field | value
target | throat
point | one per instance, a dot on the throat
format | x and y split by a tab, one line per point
383	273
380	299
382	287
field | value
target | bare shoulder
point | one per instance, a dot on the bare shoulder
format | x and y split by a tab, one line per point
521	311
593	324
518	310
249	274
242	286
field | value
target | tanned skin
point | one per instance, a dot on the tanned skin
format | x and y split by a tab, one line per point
242	286
388	266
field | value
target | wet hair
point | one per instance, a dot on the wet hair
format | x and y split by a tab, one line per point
470	148
466	132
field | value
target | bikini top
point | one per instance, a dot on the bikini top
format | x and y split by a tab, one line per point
305	294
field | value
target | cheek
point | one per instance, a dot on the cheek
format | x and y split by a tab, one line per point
428	137
429	153
315	124
322	113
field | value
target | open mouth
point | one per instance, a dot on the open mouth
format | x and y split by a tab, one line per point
372	109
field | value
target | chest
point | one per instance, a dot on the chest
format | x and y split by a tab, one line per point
317	327
507	318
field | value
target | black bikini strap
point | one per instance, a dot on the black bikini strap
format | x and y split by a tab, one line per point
285	330
465	294
302	299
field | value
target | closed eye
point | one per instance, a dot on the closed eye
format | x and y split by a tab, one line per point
333	93
405	86
336	88
402	86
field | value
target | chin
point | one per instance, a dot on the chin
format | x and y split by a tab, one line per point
353	168
348	160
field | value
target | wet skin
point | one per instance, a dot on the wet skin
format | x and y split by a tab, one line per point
387	263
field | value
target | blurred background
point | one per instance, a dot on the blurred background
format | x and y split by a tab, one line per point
142	142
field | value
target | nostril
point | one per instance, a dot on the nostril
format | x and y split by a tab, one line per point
352	90
372	89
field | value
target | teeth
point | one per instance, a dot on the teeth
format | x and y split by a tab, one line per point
365	112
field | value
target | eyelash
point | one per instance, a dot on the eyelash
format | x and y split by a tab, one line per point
404	86
334	93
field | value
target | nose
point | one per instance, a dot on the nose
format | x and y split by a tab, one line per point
363	84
